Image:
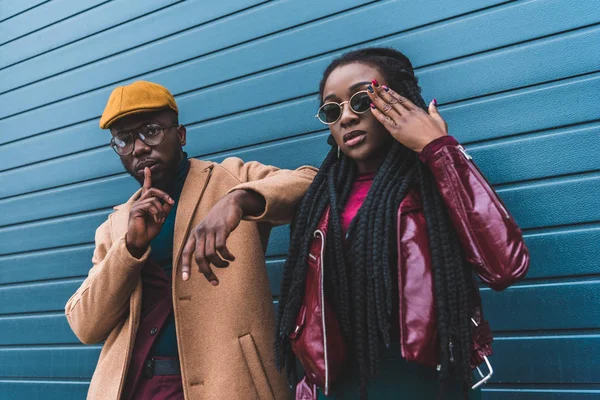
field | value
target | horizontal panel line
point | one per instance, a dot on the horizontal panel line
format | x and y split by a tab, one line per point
175	64
70	279
544	178
276	258
24	11
518	88
558	227
46	250
576	226
49	346
595	280
51	131
78	40
131	48
521	185
56	22
561	178
514	44
38	380
75	214
279	103
256	39
43	249
24	315
528	134
550	387
188	126
546	334
203	156
558	279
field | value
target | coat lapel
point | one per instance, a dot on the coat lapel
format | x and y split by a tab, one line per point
193	189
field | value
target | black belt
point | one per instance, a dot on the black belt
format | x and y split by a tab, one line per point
154	367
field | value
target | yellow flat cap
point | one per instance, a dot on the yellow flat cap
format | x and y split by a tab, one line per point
137	97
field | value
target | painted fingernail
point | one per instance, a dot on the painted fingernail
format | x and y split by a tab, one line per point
372	106
214	283
435	102
387	89
370	89
375	83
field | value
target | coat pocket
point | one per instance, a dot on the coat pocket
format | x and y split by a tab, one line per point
256	368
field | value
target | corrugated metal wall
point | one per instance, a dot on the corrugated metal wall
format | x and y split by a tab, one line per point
518	82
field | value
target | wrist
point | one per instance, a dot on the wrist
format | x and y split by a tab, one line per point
136	251
248	202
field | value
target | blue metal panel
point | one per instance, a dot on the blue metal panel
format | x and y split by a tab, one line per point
43	389
517	81
35	44
13	8
258	55
46	264
76	361
42	16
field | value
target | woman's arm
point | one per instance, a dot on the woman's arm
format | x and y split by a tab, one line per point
491	239
489	235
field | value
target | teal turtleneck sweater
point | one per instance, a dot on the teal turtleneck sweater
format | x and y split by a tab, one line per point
162	253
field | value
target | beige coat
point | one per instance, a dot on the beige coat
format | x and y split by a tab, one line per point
225	333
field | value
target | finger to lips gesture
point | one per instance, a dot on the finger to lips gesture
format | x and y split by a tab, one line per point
147	216
407	123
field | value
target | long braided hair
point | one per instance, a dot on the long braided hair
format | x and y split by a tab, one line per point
360	276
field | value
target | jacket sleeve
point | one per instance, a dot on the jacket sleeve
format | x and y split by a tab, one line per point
282	189
489	235
103	297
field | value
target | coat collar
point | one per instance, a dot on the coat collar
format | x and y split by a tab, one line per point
197	179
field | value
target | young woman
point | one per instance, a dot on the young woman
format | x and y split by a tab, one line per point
378	296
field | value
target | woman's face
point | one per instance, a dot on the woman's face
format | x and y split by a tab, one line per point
359	136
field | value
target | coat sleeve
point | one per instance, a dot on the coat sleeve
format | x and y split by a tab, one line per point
103	297
282	189
489	235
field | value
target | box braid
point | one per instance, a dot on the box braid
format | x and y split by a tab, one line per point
359	276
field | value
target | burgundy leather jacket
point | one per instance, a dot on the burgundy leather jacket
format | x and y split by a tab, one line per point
491	240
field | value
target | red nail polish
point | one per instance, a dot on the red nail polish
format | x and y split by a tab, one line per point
435	102
375	83
372	106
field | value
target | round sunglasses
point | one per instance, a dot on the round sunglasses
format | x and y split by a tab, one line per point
329	113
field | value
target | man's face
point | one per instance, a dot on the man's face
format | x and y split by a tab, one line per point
163	159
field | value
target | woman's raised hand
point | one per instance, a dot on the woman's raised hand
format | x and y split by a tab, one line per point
407	123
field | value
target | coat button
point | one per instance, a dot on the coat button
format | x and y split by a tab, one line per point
154	331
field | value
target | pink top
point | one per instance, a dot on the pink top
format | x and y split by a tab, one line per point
360	187
358	194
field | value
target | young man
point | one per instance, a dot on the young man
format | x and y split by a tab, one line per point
168	334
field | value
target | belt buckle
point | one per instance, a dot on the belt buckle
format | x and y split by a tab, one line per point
149	368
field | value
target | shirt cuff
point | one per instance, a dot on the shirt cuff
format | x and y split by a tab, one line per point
434	146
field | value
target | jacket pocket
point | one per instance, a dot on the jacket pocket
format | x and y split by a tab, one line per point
256	368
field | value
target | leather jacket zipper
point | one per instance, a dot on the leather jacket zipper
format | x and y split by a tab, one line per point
322	302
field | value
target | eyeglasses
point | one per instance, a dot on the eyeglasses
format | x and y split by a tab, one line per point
151	134
329	113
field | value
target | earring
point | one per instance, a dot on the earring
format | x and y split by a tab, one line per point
339	151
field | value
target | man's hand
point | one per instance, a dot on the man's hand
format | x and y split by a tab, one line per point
208	240
147	216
